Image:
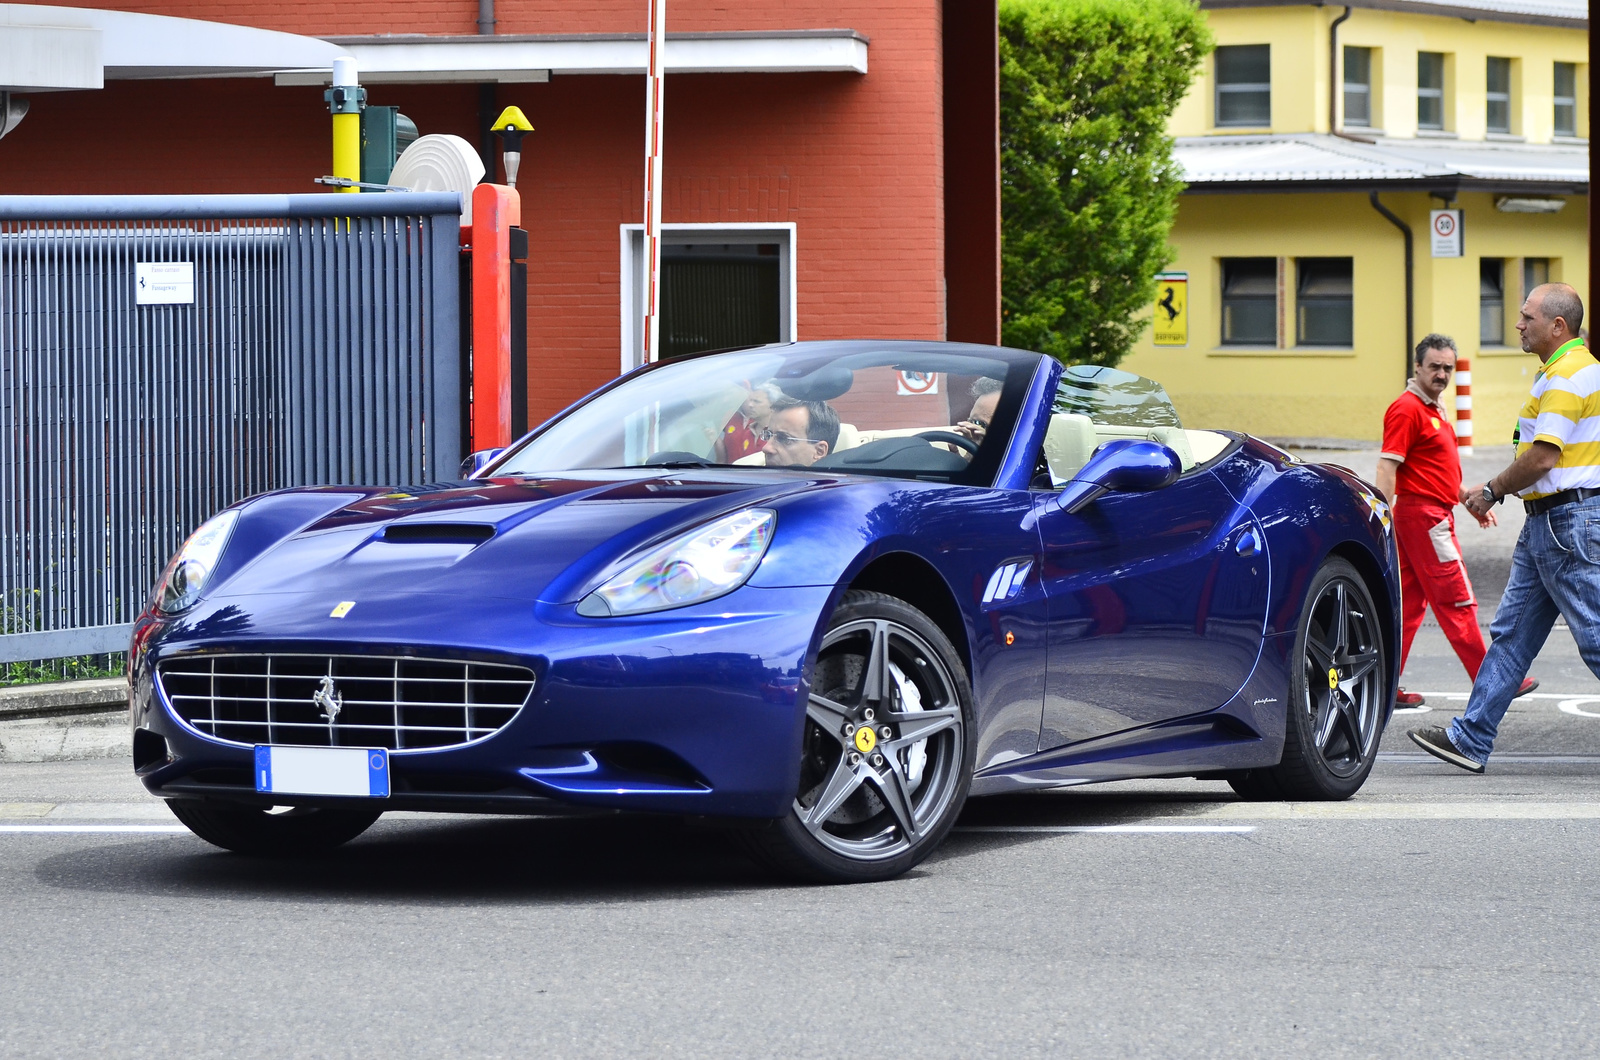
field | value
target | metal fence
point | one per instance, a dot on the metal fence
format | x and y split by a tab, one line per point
318	341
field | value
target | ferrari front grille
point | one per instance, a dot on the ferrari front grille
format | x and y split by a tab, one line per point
343	700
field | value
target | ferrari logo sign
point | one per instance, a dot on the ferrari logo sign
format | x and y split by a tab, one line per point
866	739
1171	324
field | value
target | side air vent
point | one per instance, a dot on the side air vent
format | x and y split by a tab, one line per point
438	533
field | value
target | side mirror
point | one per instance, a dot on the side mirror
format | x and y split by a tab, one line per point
478	461
1123	465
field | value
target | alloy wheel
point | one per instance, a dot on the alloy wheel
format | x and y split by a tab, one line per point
1343	686
884	744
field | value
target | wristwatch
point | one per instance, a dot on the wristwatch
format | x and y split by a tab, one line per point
1490	496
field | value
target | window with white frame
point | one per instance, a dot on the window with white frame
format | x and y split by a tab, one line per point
1357	86
721	285
1566	99
1244	84
1249	301
1491	301
1324	301
1499	95
1430	90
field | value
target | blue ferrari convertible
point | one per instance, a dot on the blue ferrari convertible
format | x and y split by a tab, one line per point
822	592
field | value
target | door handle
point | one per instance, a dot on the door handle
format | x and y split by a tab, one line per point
1249	543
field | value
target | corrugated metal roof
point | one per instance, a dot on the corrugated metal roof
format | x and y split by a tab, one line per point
1577	10
1309	159
1567	13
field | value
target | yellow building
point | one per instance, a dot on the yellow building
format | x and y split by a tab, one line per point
1315	139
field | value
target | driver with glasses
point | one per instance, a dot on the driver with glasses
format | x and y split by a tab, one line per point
799	433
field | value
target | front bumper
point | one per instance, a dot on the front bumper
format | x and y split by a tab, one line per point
694	711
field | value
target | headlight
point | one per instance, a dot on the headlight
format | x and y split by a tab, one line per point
186	576
700	565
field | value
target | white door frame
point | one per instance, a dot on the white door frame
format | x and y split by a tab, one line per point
632	273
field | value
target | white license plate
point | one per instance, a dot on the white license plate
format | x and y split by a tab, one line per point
360	771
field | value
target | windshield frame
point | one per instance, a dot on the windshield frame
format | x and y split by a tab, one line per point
1021	368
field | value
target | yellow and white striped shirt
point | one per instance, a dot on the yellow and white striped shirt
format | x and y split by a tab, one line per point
1564	410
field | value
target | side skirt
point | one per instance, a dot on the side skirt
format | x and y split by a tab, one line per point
1244	733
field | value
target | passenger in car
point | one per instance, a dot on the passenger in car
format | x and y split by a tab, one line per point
986	397
799	432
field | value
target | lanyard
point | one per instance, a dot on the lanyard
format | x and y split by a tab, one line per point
1565	348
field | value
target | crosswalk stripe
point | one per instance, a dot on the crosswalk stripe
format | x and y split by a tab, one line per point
1135	828
93	828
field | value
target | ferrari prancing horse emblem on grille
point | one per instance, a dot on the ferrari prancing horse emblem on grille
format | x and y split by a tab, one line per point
328	699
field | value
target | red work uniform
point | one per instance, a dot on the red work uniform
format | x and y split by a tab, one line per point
1417	433
738	438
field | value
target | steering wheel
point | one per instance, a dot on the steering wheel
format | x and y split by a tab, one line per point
957	440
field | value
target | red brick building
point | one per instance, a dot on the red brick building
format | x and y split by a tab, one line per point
849	147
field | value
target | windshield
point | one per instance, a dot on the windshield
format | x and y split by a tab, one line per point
1112	397
920	410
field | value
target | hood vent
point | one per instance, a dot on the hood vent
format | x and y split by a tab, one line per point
438	533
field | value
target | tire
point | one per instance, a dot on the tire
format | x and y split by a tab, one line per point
1338	695
871	807
289	833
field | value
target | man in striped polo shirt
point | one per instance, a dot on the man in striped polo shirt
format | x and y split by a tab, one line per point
1555	569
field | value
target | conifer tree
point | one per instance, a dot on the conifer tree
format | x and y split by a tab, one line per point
1089	187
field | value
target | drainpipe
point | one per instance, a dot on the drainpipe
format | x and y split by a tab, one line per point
1405	230
488	99
1333	82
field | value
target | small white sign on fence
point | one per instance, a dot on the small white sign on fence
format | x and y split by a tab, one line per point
163	283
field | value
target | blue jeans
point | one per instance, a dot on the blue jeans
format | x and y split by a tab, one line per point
1555	571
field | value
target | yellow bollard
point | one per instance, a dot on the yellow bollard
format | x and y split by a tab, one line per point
346	100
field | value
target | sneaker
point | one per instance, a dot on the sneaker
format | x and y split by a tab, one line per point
1404	699
1528	685
1436	741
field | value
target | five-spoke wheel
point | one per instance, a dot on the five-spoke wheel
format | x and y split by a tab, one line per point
885	760
1338	695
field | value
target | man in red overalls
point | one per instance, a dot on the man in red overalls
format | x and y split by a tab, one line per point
738	436
1419	471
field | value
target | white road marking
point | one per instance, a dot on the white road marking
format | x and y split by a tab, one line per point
34	829
1462	696
1504	758
1573	703
149	810
1322	811
1213	828
1403	811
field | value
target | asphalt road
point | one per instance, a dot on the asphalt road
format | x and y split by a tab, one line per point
1436	914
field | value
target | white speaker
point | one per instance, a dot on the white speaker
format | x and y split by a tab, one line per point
440	162
14	108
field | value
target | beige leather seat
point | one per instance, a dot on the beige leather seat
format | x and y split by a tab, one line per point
1068	443
1072	438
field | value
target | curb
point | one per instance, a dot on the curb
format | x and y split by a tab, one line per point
64	721
61	698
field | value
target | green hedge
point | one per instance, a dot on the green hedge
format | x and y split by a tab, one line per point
1088	185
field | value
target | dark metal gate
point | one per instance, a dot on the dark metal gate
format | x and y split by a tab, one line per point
162	357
